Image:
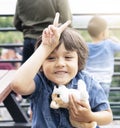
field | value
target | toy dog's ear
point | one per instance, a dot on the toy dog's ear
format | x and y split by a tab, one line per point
83	90
55	90
81	85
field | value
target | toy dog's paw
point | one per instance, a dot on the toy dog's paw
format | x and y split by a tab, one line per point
54	105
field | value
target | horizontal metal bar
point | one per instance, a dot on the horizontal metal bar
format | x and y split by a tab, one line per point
10	61
7	15
15	125
89	14
115	89
116	74
12	29
115	104
116	117
7	29
6	45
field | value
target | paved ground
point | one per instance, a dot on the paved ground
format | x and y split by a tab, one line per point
114	124
4	115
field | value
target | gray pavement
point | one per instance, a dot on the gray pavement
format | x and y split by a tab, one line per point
114	124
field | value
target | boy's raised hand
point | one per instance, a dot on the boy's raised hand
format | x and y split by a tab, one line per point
51	35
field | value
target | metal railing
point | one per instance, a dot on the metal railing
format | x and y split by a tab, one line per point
115	105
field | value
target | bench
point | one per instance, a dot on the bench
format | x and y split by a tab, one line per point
5	77
8	98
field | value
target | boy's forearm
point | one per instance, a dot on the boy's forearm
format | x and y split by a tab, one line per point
35	60
102	117
115	39
26	73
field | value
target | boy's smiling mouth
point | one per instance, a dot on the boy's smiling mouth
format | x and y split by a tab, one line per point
61	72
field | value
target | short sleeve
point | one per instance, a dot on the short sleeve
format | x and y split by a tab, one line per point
98	100
38	85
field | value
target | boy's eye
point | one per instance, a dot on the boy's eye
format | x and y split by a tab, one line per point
51	58
68	57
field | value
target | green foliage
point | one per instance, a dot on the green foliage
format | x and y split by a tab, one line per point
6	21
15	36
86	35
9	37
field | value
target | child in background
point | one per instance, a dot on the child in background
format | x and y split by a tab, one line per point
100	63
60	59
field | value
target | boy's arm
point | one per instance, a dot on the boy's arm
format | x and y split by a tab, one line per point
103	117
23	82
115	39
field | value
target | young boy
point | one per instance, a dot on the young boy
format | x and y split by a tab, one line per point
59	59
100	61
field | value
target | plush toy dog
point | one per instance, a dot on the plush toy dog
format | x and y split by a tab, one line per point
60	98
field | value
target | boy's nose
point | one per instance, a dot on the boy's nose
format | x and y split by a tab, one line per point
60	62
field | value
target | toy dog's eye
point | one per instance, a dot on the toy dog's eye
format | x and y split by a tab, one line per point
58	95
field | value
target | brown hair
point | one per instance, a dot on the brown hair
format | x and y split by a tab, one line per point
73	41
96	25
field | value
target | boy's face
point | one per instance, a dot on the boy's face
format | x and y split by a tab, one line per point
61	65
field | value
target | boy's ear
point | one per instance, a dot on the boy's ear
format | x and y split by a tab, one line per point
105	34
41	69
102	36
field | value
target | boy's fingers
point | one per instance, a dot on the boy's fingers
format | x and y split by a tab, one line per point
56	23
64	26
56	19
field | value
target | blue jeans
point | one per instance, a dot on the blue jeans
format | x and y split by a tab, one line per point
28	48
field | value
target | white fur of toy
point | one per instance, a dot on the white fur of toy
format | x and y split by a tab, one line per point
60	98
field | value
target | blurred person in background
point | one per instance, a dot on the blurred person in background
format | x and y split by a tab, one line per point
9	54
100	63
4	56
32	16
